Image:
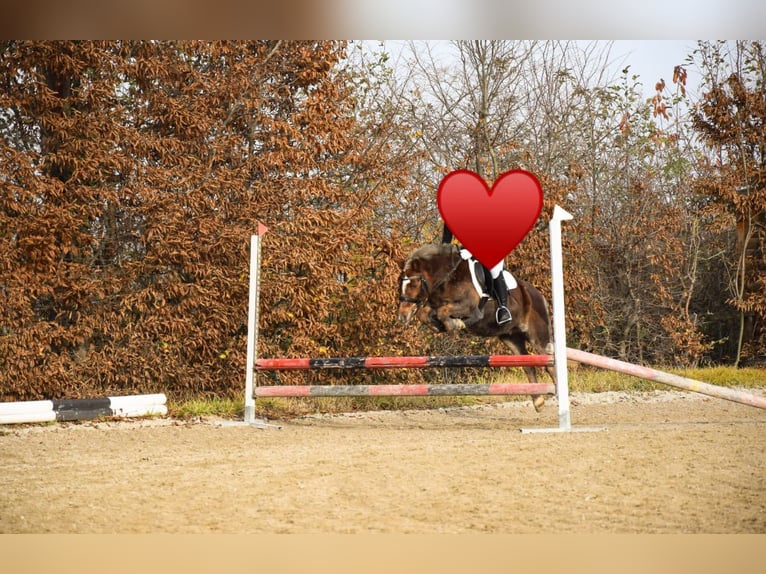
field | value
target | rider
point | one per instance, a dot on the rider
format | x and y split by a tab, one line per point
502	315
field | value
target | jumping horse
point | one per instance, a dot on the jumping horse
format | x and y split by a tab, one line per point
437	287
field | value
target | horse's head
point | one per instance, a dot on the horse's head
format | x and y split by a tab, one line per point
414	288
424	274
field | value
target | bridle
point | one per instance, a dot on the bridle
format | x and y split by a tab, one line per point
424	290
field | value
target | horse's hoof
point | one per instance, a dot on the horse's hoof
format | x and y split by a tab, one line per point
538	402
454	324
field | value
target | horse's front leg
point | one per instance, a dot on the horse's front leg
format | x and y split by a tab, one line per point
455	316
445	316
473	316
427	316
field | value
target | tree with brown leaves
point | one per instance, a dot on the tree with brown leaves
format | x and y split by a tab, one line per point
131	176
731	119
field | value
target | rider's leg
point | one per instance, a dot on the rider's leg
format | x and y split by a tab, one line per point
502	315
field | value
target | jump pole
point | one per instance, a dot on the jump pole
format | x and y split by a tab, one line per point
650	374
404	362
64	410
448	390
422	390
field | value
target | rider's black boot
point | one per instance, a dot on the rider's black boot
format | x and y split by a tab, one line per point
502	315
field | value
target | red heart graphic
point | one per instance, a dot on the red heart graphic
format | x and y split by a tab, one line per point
490	222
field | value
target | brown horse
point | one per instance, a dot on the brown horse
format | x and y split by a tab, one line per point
436	287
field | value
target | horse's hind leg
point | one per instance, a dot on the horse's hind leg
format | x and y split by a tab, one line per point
519	347
540	339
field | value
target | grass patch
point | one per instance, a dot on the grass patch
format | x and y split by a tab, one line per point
196	408
592	380
749	378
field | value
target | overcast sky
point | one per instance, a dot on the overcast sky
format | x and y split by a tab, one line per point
649	59
550	19
654	59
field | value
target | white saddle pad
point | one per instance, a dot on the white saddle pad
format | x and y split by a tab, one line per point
510	280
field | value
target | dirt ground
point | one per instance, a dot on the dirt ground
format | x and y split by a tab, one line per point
667	462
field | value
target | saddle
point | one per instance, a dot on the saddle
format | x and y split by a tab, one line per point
481	277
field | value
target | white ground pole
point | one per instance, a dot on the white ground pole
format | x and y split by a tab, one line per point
559	328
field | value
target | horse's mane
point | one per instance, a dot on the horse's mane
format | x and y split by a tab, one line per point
433	250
